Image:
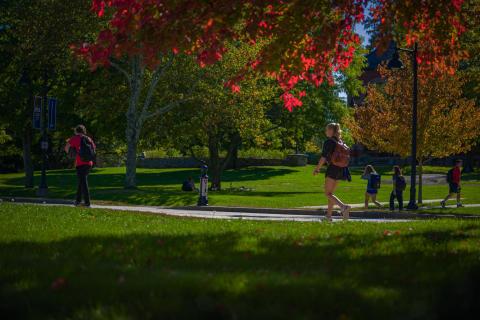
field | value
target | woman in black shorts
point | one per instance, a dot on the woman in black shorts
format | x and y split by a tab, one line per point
334	173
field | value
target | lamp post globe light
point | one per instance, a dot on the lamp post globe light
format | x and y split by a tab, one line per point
396	63
203	192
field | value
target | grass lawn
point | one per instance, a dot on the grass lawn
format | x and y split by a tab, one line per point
262	187
72	263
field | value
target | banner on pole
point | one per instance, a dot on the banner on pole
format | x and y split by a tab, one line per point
37	112
52	113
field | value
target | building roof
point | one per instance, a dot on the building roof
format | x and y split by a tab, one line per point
374	58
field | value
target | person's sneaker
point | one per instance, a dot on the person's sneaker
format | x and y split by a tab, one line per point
328	218
346	212
442	203
87	205
76	203
459	205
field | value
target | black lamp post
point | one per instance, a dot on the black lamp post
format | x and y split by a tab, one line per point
395	63
43	187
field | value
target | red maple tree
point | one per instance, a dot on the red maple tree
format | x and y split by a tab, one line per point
305	40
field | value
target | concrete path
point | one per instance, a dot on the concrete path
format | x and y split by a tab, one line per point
246	213
386	204
189	213
239	215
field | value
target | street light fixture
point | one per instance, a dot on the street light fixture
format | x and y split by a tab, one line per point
396	63
43	187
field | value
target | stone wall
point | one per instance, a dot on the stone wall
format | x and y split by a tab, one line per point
293	160
158	163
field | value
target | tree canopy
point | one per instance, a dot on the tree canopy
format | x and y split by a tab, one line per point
307	40
448	123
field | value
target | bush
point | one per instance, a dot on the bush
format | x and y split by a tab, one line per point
257	153
202	152
163	153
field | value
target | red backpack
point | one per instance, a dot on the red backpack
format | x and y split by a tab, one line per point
341	155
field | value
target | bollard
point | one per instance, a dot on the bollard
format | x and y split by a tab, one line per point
203	192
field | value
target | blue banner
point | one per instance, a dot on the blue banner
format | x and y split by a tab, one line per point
52	113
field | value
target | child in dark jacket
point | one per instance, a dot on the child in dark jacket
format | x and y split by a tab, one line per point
399	185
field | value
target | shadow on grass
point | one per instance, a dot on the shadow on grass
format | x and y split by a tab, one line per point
155	187
162	197
144	196
102	179
233	275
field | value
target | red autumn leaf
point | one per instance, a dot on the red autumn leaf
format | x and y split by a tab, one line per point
235	88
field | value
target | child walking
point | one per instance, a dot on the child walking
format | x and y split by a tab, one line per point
399	185
373	185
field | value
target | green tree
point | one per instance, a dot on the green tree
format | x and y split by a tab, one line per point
321	105
448	123
306	124
34	47
216	117
470	41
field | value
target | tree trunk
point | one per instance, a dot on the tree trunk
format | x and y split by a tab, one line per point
131	161
234	158
27	157
215	167
133	126
138	113
232	152
420	181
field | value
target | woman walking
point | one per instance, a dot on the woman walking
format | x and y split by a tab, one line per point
336	155
372	185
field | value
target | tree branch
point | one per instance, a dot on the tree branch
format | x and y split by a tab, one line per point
270	129
170	105
121	70
165	109
157	75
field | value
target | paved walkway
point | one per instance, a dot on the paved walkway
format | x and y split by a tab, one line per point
386	204
242	213
188	213
212	214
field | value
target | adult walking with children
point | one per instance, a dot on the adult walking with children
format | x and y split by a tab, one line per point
454	177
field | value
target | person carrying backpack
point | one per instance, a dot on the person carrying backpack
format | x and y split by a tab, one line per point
85	151
336	155
373	185
399	185
454	177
